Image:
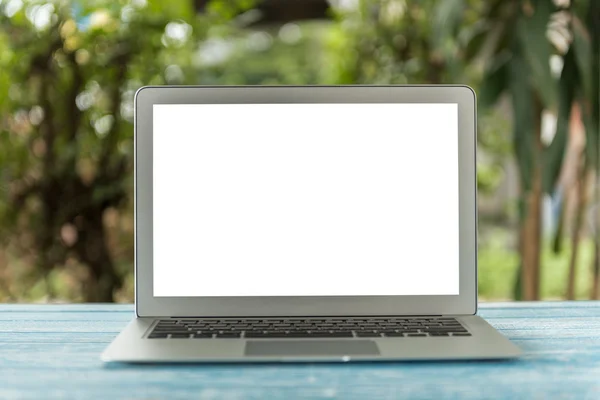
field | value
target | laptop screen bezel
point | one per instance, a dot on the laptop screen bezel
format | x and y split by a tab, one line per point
465	303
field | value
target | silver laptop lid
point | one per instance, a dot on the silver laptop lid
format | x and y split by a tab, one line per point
345	200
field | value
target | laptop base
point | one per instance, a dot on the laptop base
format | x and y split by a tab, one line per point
131	346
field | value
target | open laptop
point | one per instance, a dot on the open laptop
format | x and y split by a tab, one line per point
306	224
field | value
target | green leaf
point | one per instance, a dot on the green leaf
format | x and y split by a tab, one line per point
554	153
229	9
488	34
523	119
518	286
173	9
446	19
495	82
591	136
583	48
531	33
474	42
488	38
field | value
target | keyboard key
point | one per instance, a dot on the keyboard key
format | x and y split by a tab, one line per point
368	334
172	331
158	336
273	335
228	335
416	334
177	326
169	326
202	336
438	334
461	334
446	328
393	334
180	336
340	334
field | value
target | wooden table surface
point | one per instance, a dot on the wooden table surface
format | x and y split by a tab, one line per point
52	351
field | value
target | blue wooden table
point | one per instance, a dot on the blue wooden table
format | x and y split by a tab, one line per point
52	351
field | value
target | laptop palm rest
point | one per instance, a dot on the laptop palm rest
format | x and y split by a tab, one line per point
311	348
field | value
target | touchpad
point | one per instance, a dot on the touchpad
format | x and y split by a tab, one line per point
312	348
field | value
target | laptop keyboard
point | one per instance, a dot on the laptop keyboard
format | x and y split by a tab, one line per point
306	328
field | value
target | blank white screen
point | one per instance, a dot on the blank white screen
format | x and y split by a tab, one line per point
305	199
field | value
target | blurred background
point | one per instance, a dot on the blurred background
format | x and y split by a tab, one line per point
69	71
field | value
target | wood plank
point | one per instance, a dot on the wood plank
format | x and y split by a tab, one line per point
52	351
530	378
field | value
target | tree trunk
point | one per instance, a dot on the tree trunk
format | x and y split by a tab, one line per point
100	290
576	237
530	240
595	293
595	290
92	249
594	26
531	221
557	242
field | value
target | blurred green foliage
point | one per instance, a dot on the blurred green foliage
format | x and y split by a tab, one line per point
498	268
69	70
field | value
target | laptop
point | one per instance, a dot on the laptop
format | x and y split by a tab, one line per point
306	224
